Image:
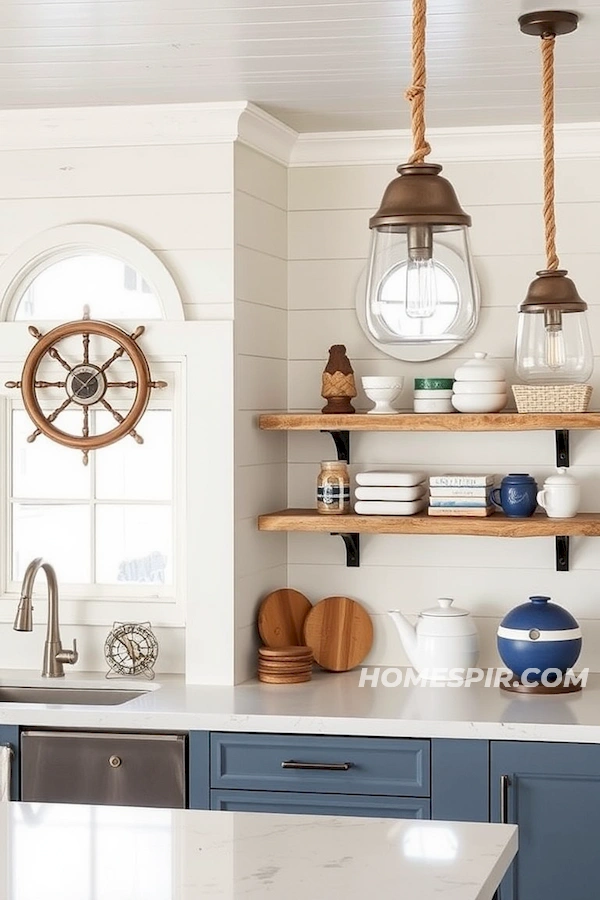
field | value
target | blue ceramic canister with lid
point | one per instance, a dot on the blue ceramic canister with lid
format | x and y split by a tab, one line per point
539	635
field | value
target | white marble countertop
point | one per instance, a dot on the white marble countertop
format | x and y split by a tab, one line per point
120	853
329	704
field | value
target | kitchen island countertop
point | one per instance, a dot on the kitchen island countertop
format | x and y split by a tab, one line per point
121	853
329	704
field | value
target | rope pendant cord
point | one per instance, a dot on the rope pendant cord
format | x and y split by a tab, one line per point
415	94
548	42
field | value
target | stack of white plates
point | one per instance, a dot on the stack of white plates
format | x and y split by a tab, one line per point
390	493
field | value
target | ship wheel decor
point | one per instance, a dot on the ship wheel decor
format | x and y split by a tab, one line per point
86	384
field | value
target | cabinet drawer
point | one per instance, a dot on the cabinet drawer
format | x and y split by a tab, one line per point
320	804
315	763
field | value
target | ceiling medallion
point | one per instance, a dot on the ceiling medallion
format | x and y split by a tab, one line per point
86	384
422	290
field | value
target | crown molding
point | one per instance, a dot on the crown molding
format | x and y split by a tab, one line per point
120	126
573	141
263	132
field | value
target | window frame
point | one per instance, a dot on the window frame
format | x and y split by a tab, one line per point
23	266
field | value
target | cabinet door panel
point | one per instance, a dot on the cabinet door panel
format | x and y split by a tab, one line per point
554	798
320	804
9	735
342	765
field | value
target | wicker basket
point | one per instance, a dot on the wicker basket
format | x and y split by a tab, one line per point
552	398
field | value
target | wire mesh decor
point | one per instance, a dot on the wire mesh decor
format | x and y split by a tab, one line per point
131	648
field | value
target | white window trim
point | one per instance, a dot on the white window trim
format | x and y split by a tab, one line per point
204	522
23	266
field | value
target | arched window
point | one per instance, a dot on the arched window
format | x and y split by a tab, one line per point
57	273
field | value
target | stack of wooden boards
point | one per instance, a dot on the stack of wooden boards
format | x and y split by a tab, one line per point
337	633
287	665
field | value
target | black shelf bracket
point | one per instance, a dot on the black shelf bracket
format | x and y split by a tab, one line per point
562	552
341	439
352	542
562	448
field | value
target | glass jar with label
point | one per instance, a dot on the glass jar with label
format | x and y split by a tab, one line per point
333	488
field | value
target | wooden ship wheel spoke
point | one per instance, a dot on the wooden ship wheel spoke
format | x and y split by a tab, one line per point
86	384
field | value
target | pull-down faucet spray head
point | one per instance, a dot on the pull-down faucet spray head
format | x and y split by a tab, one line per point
24	616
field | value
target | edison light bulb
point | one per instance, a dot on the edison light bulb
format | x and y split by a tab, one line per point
554	340
421	287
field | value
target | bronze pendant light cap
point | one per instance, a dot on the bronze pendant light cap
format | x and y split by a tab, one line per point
419	196
552	290
547	22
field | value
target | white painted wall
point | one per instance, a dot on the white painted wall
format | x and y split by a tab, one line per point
329	208
260	216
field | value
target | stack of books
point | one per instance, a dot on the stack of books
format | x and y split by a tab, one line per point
460	495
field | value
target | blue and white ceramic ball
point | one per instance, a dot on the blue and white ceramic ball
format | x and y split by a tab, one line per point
539	635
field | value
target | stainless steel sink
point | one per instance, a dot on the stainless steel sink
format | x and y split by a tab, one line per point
68	696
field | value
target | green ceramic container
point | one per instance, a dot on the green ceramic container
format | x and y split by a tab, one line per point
434	384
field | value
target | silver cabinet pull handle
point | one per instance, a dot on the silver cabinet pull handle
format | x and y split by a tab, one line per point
504	786
325	767
114	761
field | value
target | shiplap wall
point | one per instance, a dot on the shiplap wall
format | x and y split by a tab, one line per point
328	245
174	194
260	328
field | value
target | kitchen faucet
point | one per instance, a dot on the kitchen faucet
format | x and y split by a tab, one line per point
54	655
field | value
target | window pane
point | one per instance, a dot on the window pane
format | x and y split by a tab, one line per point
130	471
61	534
45	469
134	544
110	287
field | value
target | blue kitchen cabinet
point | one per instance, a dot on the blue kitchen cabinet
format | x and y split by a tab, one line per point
321	804
333	775
552	792
198	770
460	775
320	774
9	735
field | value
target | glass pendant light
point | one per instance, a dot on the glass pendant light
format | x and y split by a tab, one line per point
553	340
421	284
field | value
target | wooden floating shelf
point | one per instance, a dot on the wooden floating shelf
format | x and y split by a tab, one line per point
349	527
497	525
510	421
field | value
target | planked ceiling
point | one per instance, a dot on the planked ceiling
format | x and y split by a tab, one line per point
318	65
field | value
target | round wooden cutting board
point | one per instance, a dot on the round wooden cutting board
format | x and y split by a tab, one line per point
340	632
281	618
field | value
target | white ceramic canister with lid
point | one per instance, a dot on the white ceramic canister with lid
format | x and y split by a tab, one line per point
560	495
479	369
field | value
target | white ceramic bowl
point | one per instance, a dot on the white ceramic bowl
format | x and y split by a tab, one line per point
432	395
479	403
480	387
433	406
382	395
382	381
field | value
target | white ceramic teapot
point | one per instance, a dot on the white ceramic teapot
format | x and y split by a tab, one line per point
560	495
444	639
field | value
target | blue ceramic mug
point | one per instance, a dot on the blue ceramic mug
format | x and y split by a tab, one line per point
516	496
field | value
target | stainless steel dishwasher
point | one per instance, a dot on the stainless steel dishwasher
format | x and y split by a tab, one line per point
104	768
